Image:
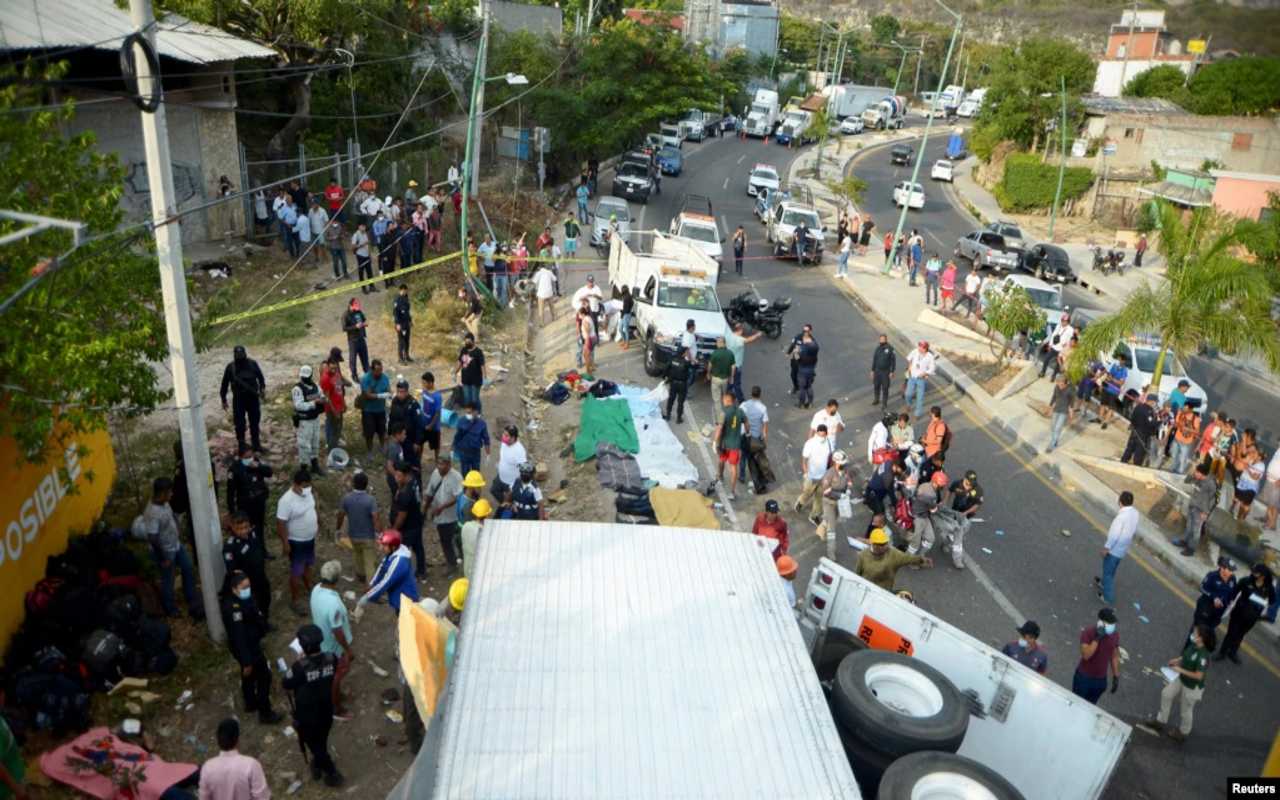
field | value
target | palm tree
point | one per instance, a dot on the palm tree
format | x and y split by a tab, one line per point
1208	297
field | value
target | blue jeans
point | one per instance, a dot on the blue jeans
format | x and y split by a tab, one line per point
842	265
500	288
1182	456
471	394
182	561
1109	565
1059	422
1087	687
916	386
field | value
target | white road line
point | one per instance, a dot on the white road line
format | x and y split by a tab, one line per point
710	465
741	158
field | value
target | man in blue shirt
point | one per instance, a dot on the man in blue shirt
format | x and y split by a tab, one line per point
431	402
375	390
1112	398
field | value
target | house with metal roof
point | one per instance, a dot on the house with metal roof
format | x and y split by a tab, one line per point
197	63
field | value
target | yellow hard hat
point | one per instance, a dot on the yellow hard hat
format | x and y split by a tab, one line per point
481	509
473	480
878	536
458	593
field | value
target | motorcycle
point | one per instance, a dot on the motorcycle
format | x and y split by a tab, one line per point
764	315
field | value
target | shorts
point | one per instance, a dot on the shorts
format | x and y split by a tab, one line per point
731	456
432	439
373	424
301	556
1111	400
1246	496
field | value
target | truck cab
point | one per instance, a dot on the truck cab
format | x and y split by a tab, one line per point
672	284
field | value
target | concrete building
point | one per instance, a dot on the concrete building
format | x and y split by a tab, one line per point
200	96
1244	194
752	26
1133	132
1136	44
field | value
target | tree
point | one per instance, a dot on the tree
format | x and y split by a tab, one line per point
1237	86
84	340
1010	311
1166	80
1208	297
1023	91
885	28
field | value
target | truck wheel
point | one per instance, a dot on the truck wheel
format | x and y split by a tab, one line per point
924	775
651	365
835	647
898	704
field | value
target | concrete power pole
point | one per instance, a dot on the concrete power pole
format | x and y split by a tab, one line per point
177	317
482	63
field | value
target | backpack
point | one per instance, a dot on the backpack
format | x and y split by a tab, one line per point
902	516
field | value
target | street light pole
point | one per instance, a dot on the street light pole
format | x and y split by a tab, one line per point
177	318
1062	163
924	139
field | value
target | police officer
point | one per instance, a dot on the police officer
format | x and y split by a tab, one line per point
246	627
311	681
247	491
308	406
244	378
526	497
677	385
242	553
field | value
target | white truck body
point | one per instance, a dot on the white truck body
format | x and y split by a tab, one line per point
618	661
1043	739
763	115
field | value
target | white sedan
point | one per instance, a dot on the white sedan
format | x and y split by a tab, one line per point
763	176
851	125
942	170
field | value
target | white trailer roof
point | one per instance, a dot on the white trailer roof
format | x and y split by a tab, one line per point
628	661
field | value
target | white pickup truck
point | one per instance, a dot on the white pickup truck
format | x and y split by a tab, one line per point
1033	733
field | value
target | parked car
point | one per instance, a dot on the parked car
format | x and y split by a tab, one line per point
901	154
670	161
986	249
762	176
1048	262
606	207
851	125
1011	232
943	170
906	193
1140	354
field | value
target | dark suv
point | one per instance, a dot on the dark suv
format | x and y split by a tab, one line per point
901	154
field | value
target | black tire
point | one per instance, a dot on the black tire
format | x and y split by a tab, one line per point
651	366
924	711
835	647
966	776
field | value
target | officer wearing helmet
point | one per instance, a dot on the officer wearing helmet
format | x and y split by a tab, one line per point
394	577
311	681
526	497
880	562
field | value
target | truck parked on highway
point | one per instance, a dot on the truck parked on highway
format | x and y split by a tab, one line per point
888	114
916	683
762	117
673	283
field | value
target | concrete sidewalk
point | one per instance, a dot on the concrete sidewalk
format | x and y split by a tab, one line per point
1018	413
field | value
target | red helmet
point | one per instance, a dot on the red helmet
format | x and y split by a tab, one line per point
390	538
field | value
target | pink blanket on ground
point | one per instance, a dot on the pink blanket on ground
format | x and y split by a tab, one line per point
99	747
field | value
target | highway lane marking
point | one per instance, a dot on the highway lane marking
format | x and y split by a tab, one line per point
1099	527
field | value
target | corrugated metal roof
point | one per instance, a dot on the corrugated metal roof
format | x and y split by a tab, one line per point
628	661
45	24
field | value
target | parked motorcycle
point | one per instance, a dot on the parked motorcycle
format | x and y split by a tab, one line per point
757	312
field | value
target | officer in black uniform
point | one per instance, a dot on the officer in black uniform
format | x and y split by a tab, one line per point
248	386
311	681
245	629
242	553
677	385
247	491
526	498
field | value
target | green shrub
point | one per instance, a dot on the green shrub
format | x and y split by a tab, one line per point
1029	184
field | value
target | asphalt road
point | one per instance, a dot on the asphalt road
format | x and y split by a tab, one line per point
1027	564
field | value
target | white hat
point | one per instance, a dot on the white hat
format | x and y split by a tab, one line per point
304	371
839	457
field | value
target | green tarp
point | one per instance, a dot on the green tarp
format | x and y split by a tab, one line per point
605	421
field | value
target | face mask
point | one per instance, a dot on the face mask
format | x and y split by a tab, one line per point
1022	643
244	594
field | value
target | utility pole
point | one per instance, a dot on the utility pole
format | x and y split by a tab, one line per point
177	318
1062	164
476	147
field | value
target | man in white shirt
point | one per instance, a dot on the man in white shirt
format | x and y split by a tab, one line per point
1119	537
1058	340
814	460
921	365
544	288
296	525
830	417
